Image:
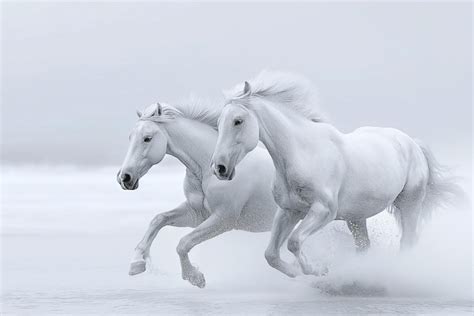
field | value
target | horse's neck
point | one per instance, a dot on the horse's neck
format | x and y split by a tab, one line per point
191	142
279	132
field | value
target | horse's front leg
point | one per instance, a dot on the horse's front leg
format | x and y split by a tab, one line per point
283	224
318	216
215	225
181	216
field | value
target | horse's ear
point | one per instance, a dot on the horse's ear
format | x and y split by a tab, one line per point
247	88
139	114
158	110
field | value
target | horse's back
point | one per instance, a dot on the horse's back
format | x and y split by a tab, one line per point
372	143
394	145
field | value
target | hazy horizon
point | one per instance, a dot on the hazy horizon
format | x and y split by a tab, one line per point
74	73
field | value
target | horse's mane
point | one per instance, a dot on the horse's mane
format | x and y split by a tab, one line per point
192	108
290	90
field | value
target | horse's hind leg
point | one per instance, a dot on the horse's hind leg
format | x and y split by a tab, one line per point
409	222
358	229
181	216
409	203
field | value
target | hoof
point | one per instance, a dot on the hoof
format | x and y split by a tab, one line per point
293	271
196	278
323	271
291	274
137	267
316	271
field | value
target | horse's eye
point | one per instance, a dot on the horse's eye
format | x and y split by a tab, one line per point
147	139
237	122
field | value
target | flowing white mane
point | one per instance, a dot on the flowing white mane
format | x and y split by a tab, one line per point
192	108
290	90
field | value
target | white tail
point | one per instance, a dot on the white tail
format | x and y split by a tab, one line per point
442	189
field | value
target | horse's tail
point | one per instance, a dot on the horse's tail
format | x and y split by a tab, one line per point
442	189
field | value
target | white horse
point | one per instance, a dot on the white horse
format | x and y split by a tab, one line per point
322	174
212	207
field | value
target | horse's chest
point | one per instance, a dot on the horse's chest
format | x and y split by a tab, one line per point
294	194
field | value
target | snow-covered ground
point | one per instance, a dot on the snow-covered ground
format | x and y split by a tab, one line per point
68	235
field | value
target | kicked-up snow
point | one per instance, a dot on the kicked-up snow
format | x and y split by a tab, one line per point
68	235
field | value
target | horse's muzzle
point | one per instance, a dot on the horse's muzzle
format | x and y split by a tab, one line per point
126	181
222	173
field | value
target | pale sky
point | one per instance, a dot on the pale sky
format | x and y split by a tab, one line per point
73	74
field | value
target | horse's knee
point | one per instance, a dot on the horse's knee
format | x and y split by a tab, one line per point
294	245
158	220
183	247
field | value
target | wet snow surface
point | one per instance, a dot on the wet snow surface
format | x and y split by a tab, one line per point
68	235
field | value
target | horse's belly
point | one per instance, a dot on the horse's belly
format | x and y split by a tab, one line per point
365	196
254	222
362	206
258	213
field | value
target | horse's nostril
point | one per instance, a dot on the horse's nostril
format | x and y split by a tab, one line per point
126	177
221	169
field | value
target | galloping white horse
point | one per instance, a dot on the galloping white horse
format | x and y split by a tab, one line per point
188	132
321	173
